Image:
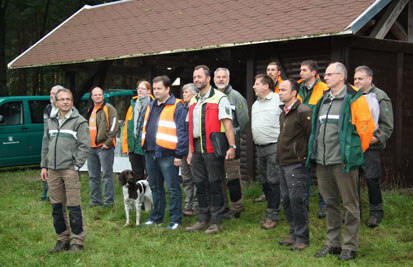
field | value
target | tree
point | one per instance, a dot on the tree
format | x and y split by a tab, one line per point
3	66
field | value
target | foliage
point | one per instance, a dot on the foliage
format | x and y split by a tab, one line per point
26	234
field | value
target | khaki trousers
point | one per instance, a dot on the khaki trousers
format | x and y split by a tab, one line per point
235	188
333	184
64	192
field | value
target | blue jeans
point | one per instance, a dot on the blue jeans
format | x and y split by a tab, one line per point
160	170
101	160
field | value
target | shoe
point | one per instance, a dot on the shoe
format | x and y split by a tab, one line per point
150	223
268	224
346	255
260	198
188	212
328	250
172	226
75	248
373	222
298	246
322	213
197	227
60	246
288	242
213	229
232	214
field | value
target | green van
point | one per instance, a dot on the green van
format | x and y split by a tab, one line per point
21	124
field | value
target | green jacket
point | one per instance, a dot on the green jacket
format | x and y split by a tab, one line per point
134	144
385	129
356	128
106	130
66	145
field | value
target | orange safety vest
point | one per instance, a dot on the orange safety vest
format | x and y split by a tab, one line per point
166	133
277	85
316	94
93	126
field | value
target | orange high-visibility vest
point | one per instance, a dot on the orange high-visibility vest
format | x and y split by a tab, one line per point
166	133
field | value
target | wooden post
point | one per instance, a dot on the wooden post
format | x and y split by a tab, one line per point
410	22
250	100
399	172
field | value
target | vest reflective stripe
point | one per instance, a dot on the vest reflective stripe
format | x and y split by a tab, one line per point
212	122
166	133
53	133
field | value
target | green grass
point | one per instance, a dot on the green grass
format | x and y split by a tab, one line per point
26	234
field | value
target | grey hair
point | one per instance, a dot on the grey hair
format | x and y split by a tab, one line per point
340	68
58	87
365	69
221	68
64	90
191	87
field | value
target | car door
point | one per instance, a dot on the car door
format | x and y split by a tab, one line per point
13	134
35	128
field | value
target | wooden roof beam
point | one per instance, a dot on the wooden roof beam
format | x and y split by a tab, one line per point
388	19
399	31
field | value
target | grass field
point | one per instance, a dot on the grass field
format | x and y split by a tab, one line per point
26	234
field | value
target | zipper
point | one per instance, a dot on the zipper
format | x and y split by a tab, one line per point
324	134
55	145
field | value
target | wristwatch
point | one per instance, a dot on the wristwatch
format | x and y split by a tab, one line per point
234	147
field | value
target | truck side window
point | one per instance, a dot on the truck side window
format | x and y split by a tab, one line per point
36	110
12	113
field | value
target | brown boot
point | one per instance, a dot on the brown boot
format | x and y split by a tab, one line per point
213	229
288	242
189	212
197	227
299	246
60	246
268	224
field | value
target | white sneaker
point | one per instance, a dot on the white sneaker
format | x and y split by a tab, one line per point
172	226
150	223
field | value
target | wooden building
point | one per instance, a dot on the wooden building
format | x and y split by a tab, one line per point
143	39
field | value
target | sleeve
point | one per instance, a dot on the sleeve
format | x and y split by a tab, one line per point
306	120
83	144
385	121
181	131
113	125
45	146
125	130
242	113
363	121
225	111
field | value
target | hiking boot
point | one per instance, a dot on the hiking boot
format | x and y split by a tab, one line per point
260	198
197	227
328	250
60	246
288	242
322	213
373	222
298	246
268	224
75	248
346	255
188	212
213	229
232	214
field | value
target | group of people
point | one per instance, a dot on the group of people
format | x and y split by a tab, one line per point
300	129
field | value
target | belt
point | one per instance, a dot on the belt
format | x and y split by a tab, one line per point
266	144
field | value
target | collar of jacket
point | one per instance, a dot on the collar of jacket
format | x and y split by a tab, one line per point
170	101
372	87
294	106
228	89
90	110
211	93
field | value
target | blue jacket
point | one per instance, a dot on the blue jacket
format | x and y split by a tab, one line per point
181	130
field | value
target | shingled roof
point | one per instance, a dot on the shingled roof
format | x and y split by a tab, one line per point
137	28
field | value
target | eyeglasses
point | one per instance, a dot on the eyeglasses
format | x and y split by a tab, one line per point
330	74
142	88
64	99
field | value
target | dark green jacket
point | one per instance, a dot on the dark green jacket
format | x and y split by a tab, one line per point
354	138
134	144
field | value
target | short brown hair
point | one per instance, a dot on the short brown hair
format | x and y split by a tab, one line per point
367	70
164	79
205	68
276	64
312	65
265	79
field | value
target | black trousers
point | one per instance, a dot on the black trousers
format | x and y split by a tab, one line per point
138	165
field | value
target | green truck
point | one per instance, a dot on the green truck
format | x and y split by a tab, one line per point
21	124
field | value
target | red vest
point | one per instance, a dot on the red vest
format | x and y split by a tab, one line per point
209	120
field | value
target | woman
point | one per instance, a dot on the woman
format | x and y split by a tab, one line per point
133	129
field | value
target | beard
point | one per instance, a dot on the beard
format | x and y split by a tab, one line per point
222	86
201	86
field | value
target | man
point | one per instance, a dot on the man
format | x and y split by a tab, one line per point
240	121
310	91
103	127
165	142
274	71
342	127
49	110
265	128
191	207
295	129
363	79
65	147
209	112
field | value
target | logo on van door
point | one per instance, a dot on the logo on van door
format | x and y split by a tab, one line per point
11	141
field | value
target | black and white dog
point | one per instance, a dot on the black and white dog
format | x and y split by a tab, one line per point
135	193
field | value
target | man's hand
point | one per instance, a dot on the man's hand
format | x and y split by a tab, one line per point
230	153
177	162
374	140
105	146
43	174
189	158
